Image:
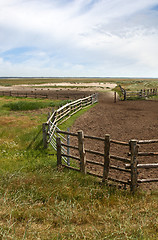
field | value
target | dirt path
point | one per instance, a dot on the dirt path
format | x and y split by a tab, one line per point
123	120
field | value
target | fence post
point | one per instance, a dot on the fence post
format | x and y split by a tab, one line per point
140	93
114	97
44	135
82	152
68	149
106	157
58	145
124	95
91	102
134	153
49	124
81	103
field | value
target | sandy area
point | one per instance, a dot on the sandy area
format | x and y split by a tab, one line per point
94	86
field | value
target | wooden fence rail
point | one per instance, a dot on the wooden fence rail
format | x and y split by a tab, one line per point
40	93
31	94
143	93
131	165
59	116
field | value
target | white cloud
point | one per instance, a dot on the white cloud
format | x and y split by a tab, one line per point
78	37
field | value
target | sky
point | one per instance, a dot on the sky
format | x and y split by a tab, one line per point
79	38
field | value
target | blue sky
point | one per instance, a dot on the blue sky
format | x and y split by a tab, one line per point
86	38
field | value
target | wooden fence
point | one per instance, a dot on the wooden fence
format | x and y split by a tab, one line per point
31	94
61	115
143	93
129	165
42	93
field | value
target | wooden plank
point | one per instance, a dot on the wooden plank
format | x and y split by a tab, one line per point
70	156
67	133
61	108
119	142
148	141
94	152
120	169
134	152
82	151
96	163
76	101
58	119
122	159
52	133
70	146
148	154
106	157
63	113
76	111
146	166
58	146
118	181
147	180
64	120
53	115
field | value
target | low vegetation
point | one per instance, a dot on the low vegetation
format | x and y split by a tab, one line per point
40	202
24	105
129	83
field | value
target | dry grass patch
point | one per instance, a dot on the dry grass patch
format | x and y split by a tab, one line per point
13	121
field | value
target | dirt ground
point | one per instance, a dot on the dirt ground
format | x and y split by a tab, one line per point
45	93
123	120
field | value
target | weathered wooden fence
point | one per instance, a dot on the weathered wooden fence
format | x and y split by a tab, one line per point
31	94
42	93
128	166
143	93
61	115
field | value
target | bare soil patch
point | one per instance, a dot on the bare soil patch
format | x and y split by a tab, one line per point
60	93
63	90
123	120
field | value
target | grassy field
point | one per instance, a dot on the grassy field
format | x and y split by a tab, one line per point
128	83
39	202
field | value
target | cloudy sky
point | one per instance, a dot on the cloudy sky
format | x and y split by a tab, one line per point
86	38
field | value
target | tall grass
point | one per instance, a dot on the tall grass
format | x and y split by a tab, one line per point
32	105
39	202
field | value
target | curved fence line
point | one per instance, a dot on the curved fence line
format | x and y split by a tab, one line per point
62	114
81	159
127	165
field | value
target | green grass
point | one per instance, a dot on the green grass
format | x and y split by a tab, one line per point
136	85
146	82
32	105
39	202
154	97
